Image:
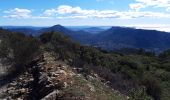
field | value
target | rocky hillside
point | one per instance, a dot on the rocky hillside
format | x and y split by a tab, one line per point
53	66
49	79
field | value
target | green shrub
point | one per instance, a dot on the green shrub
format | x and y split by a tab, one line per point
18	48
139	94
153	87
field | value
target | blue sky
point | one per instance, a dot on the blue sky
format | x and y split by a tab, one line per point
85	12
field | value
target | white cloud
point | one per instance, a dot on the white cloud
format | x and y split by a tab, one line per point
150	3
18	13
136	6
50	12
69	12
65	11
22	13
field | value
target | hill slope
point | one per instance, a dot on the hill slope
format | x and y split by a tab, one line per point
79	36
119	37
50	80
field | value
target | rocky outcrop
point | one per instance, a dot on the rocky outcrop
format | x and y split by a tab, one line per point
43	79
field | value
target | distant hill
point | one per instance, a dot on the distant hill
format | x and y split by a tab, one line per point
80	36
57	28
122	37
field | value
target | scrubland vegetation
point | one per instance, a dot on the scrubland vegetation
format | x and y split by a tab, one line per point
141	75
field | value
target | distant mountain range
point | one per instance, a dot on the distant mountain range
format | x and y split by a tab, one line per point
113	38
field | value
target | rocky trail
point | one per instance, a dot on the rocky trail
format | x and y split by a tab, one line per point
43	79
49	79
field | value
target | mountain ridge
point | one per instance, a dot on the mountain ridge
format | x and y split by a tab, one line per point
134	38
113	38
